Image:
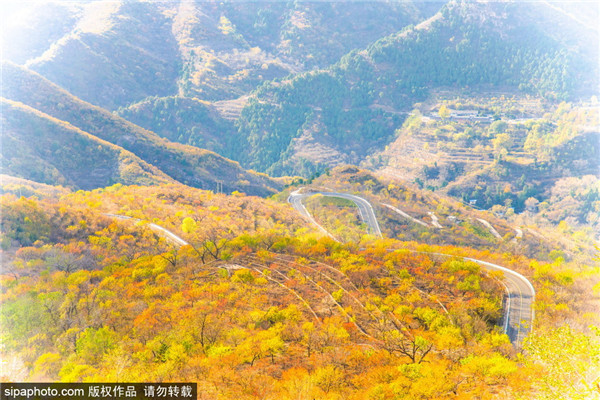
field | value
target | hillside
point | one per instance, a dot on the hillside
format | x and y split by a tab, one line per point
359	101
38	147
129	56
229	48
259	299
509	156
411	214
186	164
300	103
23	187
183	120
27	32
117	53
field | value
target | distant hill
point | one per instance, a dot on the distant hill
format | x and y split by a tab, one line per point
319	82
186	164
28	31
152	62
114	55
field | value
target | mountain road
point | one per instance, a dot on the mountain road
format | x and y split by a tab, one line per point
520	294
367	214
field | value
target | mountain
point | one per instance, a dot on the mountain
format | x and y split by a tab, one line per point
113	53
128	56
319	102
355	105
186	164
116	53
260	85
441	241
28	31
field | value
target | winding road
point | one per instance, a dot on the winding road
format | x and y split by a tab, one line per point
518	314
367	215
520	294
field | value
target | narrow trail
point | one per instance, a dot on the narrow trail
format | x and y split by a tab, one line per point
405	215
490	228
435	220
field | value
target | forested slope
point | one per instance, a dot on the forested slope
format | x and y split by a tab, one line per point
41	148
360	100
183	120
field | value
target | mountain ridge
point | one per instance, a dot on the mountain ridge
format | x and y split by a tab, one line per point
189	165
100	164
